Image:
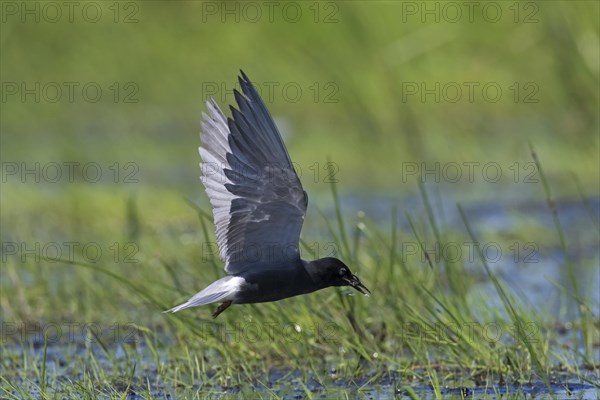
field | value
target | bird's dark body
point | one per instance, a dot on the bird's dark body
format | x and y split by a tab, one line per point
276	283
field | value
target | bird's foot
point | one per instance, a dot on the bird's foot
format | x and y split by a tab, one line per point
221	308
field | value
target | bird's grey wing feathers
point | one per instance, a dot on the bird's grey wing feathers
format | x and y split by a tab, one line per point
258	201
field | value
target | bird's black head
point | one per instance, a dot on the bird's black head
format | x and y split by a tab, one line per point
333	272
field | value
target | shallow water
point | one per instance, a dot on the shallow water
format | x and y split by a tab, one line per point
281	383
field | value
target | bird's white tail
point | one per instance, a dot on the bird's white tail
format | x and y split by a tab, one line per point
222	290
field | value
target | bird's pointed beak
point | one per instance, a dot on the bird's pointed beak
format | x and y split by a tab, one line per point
358	285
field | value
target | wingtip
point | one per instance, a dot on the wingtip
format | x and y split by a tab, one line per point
245	83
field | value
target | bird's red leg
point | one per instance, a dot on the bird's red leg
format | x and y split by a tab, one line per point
221	308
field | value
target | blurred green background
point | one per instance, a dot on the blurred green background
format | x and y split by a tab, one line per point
347	81
374	87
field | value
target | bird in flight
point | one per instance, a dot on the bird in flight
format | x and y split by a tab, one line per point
258	207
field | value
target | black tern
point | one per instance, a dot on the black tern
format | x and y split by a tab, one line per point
258	207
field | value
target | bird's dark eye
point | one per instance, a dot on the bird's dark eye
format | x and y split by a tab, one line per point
343	271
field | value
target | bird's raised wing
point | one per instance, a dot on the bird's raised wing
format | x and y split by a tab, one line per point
258	201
